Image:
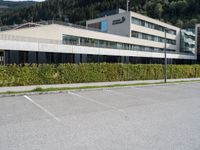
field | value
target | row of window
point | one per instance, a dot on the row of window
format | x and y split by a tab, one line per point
189	36
74	40
151	37
152	25
189	45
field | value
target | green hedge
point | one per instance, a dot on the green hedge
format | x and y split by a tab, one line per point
16	75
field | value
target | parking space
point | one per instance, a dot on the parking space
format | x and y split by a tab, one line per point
155	117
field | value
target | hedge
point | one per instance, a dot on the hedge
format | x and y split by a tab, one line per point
20	75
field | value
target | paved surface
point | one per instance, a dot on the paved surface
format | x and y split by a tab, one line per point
29	88
162	117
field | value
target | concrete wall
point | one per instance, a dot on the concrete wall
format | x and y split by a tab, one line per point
118	29
72	49
55	32
198	41
126	28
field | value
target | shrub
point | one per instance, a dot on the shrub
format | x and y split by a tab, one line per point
19	75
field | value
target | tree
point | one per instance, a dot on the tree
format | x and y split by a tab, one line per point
158	10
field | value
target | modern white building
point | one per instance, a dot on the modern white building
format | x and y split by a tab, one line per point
188	40
125	37
198	41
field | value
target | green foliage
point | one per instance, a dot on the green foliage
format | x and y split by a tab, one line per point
77	11
18	75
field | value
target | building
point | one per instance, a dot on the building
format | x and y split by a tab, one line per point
125	37
198	41
188	43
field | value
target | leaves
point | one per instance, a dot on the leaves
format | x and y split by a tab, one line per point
78	11
20	75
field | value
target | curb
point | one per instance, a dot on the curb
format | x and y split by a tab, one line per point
102	88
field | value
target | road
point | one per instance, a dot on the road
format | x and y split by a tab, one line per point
161	117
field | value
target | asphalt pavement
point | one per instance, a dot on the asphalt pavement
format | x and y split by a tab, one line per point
157	117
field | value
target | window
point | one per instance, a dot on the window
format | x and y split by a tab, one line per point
152	38
68	39
135	34
146	24
75	40
102	43
151	25
104	26
144	36
140	35
95	25
136	21
143	23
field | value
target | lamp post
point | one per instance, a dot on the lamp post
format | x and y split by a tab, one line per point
165	53
127	5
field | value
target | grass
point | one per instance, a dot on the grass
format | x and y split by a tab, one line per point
40	90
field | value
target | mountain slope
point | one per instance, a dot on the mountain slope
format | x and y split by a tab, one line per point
182	13
9	6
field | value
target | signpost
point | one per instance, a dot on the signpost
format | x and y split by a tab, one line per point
165	51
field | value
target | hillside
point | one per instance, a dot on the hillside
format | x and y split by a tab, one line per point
182	13
9	6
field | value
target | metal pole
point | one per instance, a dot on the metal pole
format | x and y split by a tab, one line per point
4	57
165	51
127	5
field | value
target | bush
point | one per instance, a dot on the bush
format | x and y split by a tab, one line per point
20	75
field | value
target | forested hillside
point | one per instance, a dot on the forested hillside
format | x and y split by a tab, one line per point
10	6
182	13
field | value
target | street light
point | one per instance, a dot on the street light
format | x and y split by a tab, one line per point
127	5
165	51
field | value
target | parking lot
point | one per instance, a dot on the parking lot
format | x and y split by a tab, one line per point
158	117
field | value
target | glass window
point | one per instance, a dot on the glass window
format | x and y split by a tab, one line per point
135	34
136	21
140	35
142	48
104	26
102	43
142	22
145	36
119	46
68	39
151	25
146	24
137	47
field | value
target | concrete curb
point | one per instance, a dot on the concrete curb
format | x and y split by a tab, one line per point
156	83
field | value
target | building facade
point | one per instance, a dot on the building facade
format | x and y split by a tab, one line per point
125	37
198	42
188	41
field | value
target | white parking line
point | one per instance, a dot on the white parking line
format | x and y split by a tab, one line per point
97	102
122	94
42	108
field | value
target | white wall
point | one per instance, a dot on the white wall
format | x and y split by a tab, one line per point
55	32
118	29
59	48
197	27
